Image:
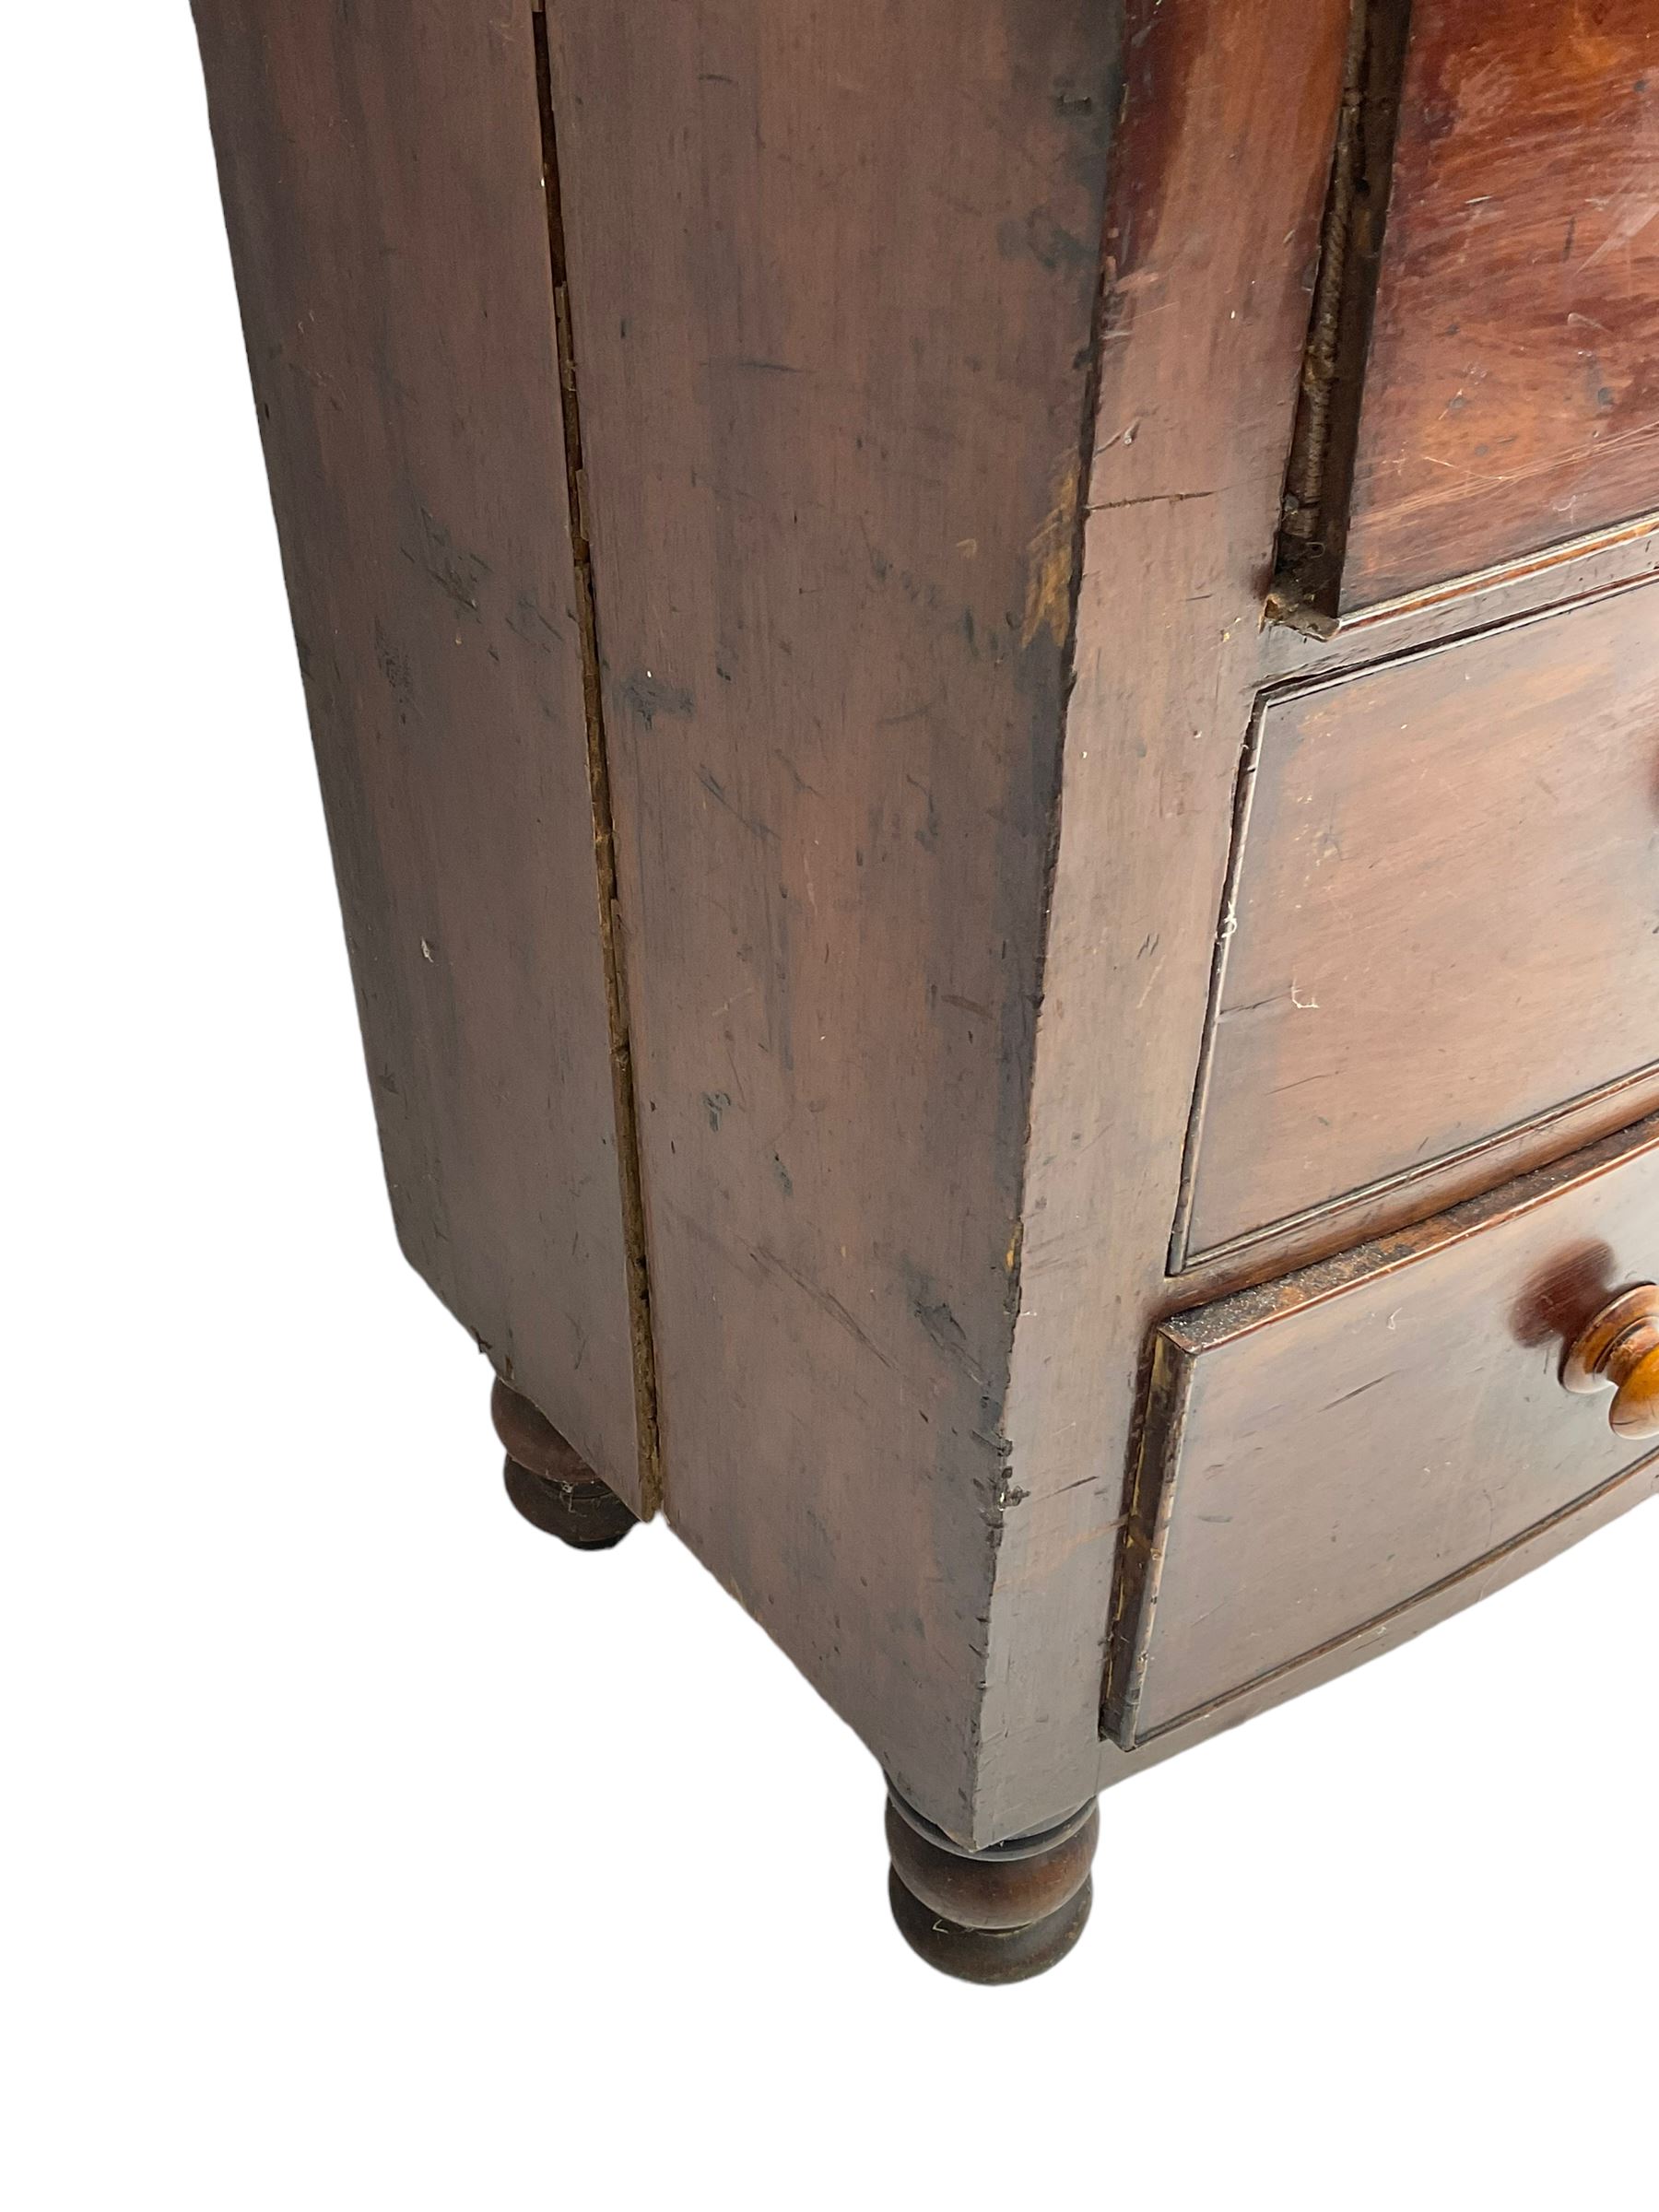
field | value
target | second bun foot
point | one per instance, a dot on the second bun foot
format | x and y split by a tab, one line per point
554	1489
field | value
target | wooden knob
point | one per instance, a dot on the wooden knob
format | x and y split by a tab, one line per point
1620	1348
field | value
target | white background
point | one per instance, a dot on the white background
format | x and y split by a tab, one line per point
362	1847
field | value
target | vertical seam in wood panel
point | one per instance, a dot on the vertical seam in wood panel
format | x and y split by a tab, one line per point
604	861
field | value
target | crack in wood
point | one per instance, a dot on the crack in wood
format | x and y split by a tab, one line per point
604	863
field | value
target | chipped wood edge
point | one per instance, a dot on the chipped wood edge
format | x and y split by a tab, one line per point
1306	591
1146	1537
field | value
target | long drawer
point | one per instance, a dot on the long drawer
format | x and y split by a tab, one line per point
1323	1453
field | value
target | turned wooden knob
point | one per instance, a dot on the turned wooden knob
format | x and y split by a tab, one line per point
1620	1348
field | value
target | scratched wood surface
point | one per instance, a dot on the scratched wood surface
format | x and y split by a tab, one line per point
381	170
935	424
1441	923
1324	1451
833	275
1228	126
1511	394
1199	374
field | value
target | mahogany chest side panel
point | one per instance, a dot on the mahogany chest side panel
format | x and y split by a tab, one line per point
834	274
380	168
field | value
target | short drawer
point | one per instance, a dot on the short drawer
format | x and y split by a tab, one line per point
1442	920
1325	1451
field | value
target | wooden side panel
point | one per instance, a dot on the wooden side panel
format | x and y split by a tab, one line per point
1331	1448
1511	396
1442	920
1212	243
834	269
382	174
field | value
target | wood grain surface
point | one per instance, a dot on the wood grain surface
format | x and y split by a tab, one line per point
1227	128
834	273
1325	1451
1440	922
1511	392
936	373
380	168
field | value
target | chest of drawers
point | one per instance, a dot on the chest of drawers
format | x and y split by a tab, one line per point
987	678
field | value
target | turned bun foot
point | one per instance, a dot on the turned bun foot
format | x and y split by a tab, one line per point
554	1490
996	1915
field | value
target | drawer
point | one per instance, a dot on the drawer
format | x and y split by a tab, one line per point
1442	918
1323	1452
1494	390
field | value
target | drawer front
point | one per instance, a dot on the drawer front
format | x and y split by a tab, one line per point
1443	919
1483	378
1322	1453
